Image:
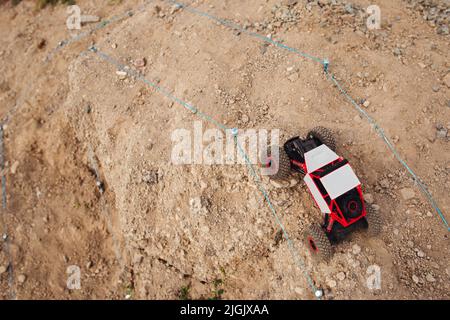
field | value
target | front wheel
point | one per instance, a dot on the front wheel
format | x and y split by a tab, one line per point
324	135
318	244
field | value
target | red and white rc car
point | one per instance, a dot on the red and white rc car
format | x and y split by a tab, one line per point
333	185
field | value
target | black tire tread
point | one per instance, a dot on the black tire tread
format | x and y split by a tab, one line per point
284	169
321	241
374	221
325	135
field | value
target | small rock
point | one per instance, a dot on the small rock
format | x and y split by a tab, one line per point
340	276
447	80
436	88
407	193
140	63
174	8
443	30
22	278
397	52
384	183
279	184
356	249
395	139
293	182
331	283
430	278
2	269
349	8
420	254
289	3
369	198
122	74
366	103
441	132
415	279
114	46
137	259
41	44
14	167
293	77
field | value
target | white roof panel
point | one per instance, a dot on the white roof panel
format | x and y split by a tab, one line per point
340	181
319	157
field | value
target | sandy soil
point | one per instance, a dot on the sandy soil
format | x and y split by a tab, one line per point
204	231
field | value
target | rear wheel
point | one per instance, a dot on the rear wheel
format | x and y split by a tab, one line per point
281	168
374	221
324	135
318	243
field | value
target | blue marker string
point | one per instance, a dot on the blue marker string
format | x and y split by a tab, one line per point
298	260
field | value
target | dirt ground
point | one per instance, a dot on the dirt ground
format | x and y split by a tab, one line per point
165	231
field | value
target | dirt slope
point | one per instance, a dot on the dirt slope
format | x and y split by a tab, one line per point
160	228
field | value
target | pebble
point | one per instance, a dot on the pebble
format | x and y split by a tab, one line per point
395	139
293	77
14	167
140	63
441	132
369	198
356	249
384	183
436	88
430	278
447	80
340	276
407	193
331	283
21	278
2	269
366	103
415	279
122	74
397	52
279	184
420	254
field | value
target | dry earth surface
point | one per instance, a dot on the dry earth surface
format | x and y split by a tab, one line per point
169	231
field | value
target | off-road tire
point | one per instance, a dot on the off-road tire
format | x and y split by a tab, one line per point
284	165
318	244
374	221
324	135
